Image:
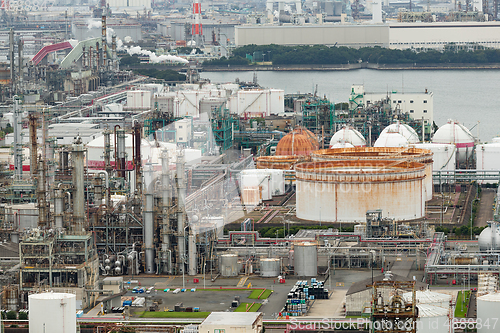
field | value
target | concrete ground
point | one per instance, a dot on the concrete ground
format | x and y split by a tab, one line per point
216	299
213	299
485	211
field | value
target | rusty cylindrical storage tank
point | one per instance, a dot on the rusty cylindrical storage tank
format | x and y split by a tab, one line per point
412	154
306	259
342	191
284	162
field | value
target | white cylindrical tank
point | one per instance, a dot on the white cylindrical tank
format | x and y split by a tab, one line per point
429	297
432	319
488	157
306	259
489	239
405	130
229	265
391	139
342	191
269	267
52	312
444	155
348	134
456	134
488	308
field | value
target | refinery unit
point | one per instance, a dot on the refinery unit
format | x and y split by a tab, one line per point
113	175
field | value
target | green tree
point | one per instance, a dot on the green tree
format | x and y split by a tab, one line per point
12	315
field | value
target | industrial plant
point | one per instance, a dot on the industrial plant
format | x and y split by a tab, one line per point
133	202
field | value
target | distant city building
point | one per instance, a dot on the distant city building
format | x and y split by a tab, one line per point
435	35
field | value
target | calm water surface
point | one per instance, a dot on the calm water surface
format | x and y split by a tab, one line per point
469	96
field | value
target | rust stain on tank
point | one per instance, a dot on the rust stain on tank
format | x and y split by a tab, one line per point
283	162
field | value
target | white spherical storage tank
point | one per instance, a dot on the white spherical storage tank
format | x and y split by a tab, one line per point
382	153
405	130
430	298
432	319
456	134
342	191
488	308
348	134
489	239
391	139
444	155
52	312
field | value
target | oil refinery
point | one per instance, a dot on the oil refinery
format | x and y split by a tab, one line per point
132	202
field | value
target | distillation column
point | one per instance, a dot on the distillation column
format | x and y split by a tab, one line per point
165	244
33	145
120	152
181	193
18	142
42	196
149	225
192	253
137	158
78	185
107	162
58	208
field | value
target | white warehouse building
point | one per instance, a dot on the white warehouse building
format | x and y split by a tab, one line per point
392	35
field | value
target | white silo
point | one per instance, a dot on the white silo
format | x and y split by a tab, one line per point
391	139
444	155
350	135
229	265
405	130
429	297
306	259
432	319
488	308
456	134
270	267
52	312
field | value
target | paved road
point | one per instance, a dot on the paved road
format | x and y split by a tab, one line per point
485	212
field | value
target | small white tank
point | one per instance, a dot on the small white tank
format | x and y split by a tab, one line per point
229	265
432	319
430	298
52	312
488	308
269	267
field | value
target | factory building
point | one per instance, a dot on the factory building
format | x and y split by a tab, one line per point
394	35
244	322
417	105
121	28
326	34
